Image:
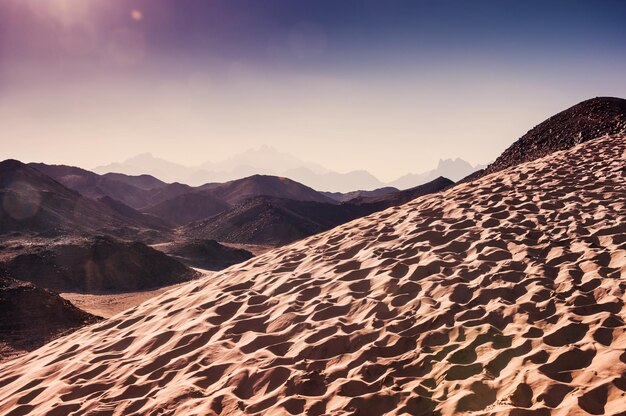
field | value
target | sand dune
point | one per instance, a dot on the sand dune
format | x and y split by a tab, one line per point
500	296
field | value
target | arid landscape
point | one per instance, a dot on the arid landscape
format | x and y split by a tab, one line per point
502	294
268	207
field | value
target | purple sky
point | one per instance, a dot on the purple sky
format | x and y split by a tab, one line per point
389	87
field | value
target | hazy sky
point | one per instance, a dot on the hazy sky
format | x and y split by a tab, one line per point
386	86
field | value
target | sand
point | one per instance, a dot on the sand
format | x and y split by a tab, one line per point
108	305
501	296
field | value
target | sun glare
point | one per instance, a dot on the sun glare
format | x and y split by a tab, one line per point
67	12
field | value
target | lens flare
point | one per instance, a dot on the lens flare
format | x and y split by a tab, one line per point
126	47
22	202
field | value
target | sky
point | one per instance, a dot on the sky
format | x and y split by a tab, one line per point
386	86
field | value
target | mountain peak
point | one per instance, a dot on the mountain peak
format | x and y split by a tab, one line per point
456	163
267	148
142	156
10	164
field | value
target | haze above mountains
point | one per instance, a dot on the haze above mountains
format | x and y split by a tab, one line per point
266	160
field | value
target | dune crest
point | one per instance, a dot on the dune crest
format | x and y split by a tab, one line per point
504	295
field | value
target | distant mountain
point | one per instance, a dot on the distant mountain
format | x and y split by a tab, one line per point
347	196
145	163
264	160
582	122
201	176
454	169
206	254
268	161
95	265
333	181
32	317
317	179
239	190
270	220
188	207
146	182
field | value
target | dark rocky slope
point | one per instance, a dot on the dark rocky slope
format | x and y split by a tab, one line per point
33	203
188	207
135	191
275	221
585	121
93	265
30	316
206	254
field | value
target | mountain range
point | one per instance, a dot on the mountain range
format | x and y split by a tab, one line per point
33	202
245	210
57	200
269	161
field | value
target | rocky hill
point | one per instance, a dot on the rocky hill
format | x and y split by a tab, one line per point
585	121
31	316
274	221
93	265
206	254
